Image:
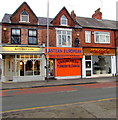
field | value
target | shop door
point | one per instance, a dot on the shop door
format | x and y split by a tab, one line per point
88	66
51	68
10	69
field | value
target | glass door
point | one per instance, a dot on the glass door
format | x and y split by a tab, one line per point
88	66
51	68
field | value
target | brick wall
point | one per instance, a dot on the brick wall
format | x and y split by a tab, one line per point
16	16
93	44
56	21
116	38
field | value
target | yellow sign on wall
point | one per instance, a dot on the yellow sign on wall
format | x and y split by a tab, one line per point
21	50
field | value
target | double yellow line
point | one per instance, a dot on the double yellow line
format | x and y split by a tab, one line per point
33	108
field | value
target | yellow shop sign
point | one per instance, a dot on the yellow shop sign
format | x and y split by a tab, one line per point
21	50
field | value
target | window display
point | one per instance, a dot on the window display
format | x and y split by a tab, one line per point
29	64
101	64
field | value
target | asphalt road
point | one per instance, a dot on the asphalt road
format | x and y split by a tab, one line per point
18	99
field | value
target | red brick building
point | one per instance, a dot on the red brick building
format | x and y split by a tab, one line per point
78	46
23	56
98	42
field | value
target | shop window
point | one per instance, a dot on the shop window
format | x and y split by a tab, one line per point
29	68
101	64
32	37
88	36
64	20
64	38
102	37
21	68
37	67
15	36
28	64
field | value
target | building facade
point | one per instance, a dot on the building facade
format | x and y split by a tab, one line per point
23	57
78	47
64	53
98	43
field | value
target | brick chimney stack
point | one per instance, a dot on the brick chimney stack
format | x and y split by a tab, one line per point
97	14
73	15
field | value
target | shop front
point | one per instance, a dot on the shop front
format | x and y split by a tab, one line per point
98	62
64	63
21	64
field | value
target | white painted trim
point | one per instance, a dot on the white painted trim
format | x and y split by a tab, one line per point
63	29
113	65
28	78
86	34
108	33
68	77
0	34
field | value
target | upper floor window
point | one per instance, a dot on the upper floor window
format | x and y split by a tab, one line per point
32	37
24	16
64	38
15	36
102	37
88	36
64	20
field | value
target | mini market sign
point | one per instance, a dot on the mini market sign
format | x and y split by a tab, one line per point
99	51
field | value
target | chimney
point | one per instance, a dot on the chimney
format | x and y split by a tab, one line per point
97	14
73	14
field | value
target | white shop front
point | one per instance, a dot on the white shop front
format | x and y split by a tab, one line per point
20	64
98	62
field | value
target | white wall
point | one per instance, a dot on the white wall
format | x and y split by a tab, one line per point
117	60
0	34
83	67
113	65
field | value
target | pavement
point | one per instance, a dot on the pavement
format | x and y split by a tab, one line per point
53	82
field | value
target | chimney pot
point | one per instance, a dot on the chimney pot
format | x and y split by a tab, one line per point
73	14
97	14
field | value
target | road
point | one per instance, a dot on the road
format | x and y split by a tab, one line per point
18	99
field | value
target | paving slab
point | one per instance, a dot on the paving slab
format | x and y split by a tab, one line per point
53	82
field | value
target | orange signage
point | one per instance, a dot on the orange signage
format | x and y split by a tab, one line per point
99	51
61	52
68	67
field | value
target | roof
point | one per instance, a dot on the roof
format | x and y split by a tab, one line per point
41	20
97	23
6	18
82	21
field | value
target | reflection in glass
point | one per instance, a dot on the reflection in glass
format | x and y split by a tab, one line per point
101	64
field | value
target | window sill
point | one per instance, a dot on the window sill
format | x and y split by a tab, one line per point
24	22
101	43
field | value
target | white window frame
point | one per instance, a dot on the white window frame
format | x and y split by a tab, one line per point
57	37
21	15
87	36
63	18
102	34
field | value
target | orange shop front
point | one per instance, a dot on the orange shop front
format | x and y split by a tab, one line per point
64	63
